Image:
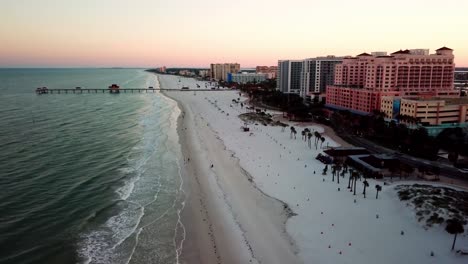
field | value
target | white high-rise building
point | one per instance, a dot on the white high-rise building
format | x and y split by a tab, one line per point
288	79
317	73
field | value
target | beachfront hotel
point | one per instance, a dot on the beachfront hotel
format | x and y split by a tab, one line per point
362	81
219	71
270	71
308	76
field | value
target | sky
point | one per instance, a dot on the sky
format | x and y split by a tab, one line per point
195	33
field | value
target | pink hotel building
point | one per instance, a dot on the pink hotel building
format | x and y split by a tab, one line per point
362	81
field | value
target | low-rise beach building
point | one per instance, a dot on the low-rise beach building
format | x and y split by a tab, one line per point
246	77
374	165
270	71
428	111
340	154
203	73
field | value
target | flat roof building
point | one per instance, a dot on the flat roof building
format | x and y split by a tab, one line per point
289	76
271	71
219	71
246	77
428	111
317	73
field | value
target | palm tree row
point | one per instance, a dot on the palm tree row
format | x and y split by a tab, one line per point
408	119
306	136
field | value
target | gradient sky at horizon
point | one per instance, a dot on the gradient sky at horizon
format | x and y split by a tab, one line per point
188	33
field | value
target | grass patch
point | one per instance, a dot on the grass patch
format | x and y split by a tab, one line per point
261	118
434	205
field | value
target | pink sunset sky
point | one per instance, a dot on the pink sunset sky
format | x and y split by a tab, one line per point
188	33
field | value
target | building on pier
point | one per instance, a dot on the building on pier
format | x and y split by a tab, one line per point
114	88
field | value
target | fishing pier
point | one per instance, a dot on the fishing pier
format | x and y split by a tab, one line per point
115	89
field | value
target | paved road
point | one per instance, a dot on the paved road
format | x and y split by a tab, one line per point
445	169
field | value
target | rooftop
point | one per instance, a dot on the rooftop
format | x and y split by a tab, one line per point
343	151
448	101
444	48
407	51
375	163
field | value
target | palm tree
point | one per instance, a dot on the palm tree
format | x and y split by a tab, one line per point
303	135
338	169
353	181
366	184
309	136
379	188
343	172
317	136
350	178
293	132
345	168
325	170
356	175
454	227
333	172
306	133
323	140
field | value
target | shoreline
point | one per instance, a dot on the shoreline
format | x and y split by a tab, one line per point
209	239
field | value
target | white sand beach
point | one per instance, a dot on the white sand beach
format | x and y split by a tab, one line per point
238	209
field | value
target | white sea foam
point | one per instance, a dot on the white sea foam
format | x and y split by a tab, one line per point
179	248
109	243
126	190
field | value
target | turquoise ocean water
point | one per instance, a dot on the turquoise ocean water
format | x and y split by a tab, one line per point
88	178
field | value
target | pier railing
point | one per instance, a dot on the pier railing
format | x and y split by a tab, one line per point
45	90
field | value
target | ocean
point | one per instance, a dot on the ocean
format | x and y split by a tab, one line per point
88	178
